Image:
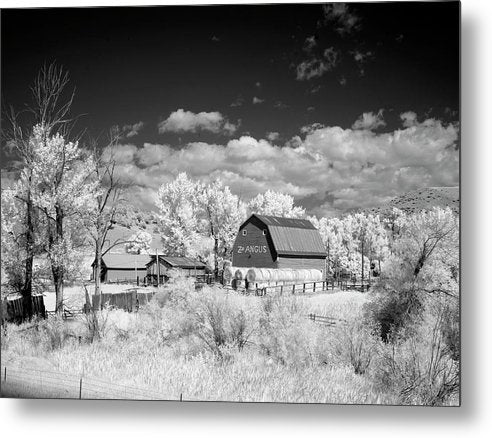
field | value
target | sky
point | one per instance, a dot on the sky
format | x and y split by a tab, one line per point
339	105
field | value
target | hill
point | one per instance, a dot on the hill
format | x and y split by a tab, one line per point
422	199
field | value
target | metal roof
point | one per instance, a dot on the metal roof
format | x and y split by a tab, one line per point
180	262
285	222
293	236
125	261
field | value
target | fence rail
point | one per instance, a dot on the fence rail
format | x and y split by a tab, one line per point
326	320
293	288
54	384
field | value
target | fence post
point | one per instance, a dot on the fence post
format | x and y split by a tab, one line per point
181	397
314	287
281	289
293	289
303	288
80	389
5	375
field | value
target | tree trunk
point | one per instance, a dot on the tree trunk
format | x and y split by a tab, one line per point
58	268
97	272
216	255
362	255
27	287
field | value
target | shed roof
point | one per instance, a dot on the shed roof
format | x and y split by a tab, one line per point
293	236
179	262
125	261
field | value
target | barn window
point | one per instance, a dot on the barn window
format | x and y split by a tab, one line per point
264	232
245	232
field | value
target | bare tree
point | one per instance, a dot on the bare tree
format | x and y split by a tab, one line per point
109	204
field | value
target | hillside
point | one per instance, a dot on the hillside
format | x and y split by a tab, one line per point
422	199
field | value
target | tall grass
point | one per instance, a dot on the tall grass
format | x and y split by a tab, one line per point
217	345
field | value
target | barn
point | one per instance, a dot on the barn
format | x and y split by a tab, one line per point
122	267
278	243
183	265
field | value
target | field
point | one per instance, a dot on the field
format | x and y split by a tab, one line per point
141	350
220	345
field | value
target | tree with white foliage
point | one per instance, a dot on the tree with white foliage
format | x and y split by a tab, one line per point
273	203
223	213
50	107
179	211
62	190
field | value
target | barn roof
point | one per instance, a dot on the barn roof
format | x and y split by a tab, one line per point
293	236
125	261
179	262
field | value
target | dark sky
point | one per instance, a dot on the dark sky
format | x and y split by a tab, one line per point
140	64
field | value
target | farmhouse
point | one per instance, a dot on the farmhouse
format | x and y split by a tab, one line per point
168	264
122	267
278	243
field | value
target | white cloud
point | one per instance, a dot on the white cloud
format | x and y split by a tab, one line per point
370	121
272	136
238	102
132	130
187	121
257	100
409	118
339	168
340	14
316	67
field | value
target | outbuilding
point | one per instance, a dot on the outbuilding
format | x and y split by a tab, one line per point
278	243
122	267
184	266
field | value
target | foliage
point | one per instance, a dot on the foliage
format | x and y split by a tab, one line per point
273	203
138	243
179	215
198	220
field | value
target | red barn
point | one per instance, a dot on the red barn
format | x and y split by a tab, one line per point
278	243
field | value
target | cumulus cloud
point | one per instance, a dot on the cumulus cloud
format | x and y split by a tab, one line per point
316	67
369	121
338	168
257	100
409	118
188	121
342	16
272	136
132	130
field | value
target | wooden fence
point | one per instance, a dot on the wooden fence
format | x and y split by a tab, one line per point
13	310
129	301
326	320
296	288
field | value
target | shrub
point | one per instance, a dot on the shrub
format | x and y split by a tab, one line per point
357	344
221	320
420	369
288	336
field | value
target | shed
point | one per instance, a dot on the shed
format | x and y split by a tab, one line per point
278	243
184	265
122	267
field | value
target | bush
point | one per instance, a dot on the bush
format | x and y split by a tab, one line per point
394	310
288	336
221	321
357	344
420	369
